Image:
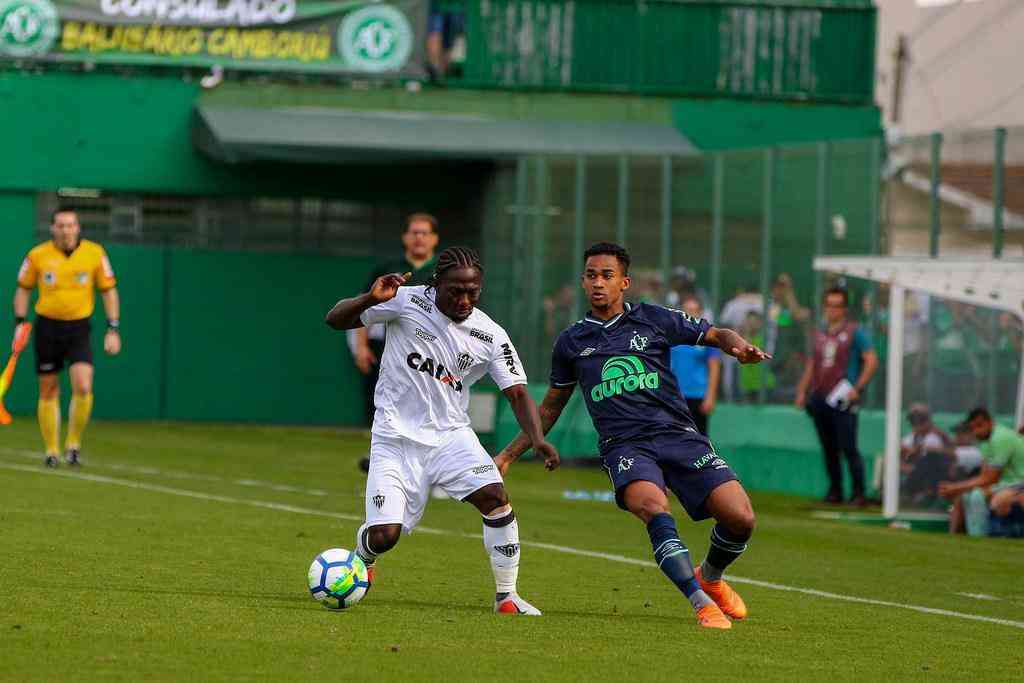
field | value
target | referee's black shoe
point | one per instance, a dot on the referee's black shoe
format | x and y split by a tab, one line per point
51	461
71	457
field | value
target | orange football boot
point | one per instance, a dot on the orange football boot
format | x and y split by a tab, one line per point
724	596
710	616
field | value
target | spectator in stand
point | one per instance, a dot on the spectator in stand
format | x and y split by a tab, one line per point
1003	501
697	370
734	314
446	41
754	376
926	456
915	342
787	334
682	285
1002	450
966	452
1009	344
954	355
648	287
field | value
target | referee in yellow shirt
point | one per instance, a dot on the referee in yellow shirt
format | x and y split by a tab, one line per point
66	270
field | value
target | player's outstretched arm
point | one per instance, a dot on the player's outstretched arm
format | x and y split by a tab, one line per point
345	314
550	409
733	344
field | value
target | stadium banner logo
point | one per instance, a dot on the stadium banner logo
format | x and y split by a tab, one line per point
28	28
376	38
623	374
333	36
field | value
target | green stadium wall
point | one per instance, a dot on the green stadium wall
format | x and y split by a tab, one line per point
223	336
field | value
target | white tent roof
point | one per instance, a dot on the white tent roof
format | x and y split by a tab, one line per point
995	283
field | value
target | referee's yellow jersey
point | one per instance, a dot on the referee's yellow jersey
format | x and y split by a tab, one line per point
66	283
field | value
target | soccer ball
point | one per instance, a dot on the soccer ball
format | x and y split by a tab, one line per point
338	578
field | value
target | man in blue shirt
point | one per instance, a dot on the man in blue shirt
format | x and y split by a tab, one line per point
697	369
619	356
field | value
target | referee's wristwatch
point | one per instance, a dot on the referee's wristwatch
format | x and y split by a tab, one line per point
114	325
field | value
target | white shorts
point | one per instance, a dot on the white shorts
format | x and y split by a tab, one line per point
402	472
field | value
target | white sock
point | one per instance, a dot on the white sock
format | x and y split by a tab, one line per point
362	549
501	540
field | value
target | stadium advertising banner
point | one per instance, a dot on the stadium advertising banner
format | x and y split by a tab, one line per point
330	36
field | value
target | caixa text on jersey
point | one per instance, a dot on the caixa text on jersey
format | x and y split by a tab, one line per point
436	370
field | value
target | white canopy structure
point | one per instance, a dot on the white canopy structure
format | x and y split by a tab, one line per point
993	283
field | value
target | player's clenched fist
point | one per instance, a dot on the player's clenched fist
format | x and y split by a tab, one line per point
549	453
386	286
112	342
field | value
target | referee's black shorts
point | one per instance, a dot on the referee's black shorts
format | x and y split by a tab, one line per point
58	341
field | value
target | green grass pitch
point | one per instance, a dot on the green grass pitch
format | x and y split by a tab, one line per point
180	552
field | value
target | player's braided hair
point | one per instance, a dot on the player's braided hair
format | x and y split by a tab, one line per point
454	257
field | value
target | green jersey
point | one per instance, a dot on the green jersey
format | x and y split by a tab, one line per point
1005	450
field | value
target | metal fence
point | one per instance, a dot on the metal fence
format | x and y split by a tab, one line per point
958	194
738	228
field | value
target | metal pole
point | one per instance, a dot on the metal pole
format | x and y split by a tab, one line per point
540	228
768	199
893	405
718	186
875	161
998	192
622	226
666	223
519	236
578	230
821	222
936	227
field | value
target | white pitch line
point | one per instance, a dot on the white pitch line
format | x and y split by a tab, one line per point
281	507
979	596
173	474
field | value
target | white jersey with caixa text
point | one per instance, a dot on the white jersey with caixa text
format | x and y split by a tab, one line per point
430	362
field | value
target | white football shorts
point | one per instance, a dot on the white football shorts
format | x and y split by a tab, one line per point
402	472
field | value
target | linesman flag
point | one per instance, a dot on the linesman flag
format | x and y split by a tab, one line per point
21	336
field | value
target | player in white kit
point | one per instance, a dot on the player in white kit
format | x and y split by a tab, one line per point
439	344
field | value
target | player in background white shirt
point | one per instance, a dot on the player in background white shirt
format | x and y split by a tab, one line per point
438	345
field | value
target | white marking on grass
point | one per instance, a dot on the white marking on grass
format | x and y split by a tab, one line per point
980	596
52	513
172	474
143	486
281	507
